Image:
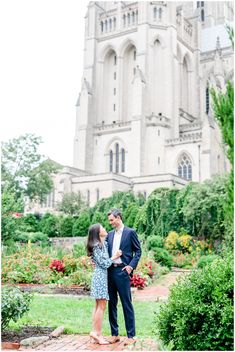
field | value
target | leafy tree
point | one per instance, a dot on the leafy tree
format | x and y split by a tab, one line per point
121	200
24	169
40	182
223	105
203	208
158	215
10	204
131	214
72	203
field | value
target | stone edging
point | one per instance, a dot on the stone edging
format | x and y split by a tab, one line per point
33	341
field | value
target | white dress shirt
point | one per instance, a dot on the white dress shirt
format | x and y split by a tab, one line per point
116	243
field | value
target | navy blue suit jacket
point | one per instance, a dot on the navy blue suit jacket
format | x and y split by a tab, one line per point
130	246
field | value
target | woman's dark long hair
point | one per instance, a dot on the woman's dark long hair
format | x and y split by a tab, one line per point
93	238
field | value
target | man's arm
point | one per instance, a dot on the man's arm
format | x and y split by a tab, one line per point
135	243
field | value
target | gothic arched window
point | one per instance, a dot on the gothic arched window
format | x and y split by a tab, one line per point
111	161
133	17
88	197
114	23
160	13
110	25
202	15
124	20
128	19
155	13
97	194
185	167
117	158
207	100
106	26
123	159
102	26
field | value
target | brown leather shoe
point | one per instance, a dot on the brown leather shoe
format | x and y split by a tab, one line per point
129	341
114	339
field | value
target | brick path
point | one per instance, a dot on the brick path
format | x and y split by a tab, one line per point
82	343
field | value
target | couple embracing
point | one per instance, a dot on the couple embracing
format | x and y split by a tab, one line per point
115	256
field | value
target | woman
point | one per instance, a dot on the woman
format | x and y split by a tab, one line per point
97	248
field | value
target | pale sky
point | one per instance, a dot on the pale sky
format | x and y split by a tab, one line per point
42	44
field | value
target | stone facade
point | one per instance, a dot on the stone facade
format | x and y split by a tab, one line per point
144	117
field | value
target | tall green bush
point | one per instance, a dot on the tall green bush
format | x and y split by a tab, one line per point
50	225
66	226
30	223
198	315
81	225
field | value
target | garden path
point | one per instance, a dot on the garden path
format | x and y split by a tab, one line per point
159	291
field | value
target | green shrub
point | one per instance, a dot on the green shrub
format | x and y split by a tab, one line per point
20	236
38	237
205	260
199	313
30	223
9	225
33	237
49	224
14	305
155	242
163	257
66	226
81	225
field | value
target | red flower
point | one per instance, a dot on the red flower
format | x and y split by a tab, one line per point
57	265
138	281
149	265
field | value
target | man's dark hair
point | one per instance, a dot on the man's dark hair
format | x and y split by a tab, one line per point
115	213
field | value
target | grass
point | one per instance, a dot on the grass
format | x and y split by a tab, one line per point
75	315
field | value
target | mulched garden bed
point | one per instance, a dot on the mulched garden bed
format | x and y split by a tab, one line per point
25	332
53	289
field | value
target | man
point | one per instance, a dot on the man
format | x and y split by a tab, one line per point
125	239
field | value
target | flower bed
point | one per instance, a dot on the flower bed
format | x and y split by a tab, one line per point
34	270
31	266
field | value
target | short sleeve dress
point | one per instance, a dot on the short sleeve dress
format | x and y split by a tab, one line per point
99	284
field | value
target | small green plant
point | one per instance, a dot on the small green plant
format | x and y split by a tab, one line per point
79	250
163	257
155	242
14	305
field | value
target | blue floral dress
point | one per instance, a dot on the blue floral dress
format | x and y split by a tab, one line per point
99	284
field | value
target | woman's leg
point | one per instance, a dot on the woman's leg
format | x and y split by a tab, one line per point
93	315
99	316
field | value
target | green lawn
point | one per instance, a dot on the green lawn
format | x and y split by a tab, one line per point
75	315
